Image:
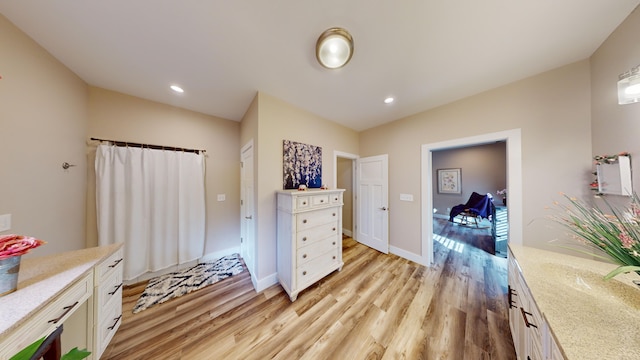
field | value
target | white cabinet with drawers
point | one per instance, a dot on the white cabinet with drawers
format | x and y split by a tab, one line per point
47	318
107	301
53	290
309	236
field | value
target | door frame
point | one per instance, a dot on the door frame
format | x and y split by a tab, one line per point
514	184
339	154
243	222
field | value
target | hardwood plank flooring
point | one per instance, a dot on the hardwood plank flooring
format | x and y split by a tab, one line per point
378	307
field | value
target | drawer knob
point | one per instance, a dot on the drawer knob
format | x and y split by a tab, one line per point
321	200
334	257
304	221
334	214
304	273
304	203
304	256
335	199
334	229
333	243
304	238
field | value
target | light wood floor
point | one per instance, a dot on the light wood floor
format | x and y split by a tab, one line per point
378	307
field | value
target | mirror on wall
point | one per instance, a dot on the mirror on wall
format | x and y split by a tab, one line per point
614	176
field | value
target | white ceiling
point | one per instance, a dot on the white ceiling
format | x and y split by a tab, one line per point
425	53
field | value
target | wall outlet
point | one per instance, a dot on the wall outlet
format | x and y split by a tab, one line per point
5	222
222	197
406	197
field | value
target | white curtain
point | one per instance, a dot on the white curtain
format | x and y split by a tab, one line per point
154	202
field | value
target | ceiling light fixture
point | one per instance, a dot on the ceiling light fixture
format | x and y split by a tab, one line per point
177	89
629	86
389	100
334	48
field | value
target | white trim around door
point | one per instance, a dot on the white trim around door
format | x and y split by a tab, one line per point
514	184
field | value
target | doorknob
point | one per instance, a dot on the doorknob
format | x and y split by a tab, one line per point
384	208
248	217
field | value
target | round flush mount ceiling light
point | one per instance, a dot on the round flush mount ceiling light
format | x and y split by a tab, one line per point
389	100
334	48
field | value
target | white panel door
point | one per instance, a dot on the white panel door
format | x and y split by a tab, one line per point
247	230
373	202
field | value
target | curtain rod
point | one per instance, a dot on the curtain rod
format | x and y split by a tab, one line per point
149	146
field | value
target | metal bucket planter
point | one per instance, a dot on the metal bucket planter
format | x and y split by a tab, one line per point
9	269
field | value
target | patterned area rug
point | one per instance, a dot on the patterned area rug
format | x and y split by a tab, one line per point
173	285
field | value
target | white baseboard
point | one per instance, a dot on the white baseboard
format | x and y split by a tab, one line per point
210	257
349	233
262	284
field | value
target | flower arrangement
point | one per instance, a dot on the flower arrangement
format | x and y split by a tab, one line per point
608	159
16	245
502	192
616	234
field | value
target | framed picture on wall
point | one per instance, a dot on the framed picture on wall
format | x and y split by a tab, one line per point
449	181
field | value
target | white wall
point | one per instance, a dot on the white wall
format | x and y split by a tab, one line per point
551	109
616	128
43	113
278	121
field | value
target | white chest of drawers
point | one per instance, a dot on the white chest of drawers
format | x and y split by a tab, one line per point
309	237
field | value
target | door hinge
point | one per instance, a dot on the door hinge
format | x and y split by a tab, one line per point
241	202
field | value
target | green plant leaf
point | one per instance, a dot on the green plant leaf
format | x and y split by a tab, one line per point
75	354
621	269
25	354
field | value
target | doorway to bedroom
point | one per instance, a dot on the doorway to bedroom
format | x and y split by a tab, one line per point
513	140
468	188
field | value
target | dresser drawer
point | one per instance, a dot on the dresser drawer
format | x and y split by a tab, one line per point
108	326
320	200
313	270
303	202
311	251
110	289
108	266
311	219
336	199
49	317
307	237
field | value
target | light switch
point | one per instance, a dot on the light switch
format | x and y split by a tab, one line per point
222	197
5	222
406	197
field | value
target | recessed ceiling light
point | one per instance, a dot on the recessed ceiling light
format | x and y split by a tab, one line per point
389	100
177	89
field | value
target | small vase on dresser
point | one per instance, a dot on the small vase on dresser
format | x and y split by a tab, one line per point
309	237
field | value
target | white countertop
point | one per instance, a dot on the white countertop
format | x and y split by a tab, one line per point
590	317
40	280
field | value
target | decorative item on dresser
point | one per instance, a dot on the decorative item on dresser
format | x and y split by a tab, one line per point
309	237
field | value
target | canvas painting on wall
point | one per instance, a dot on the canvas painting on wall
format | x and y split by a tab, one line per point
302	165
